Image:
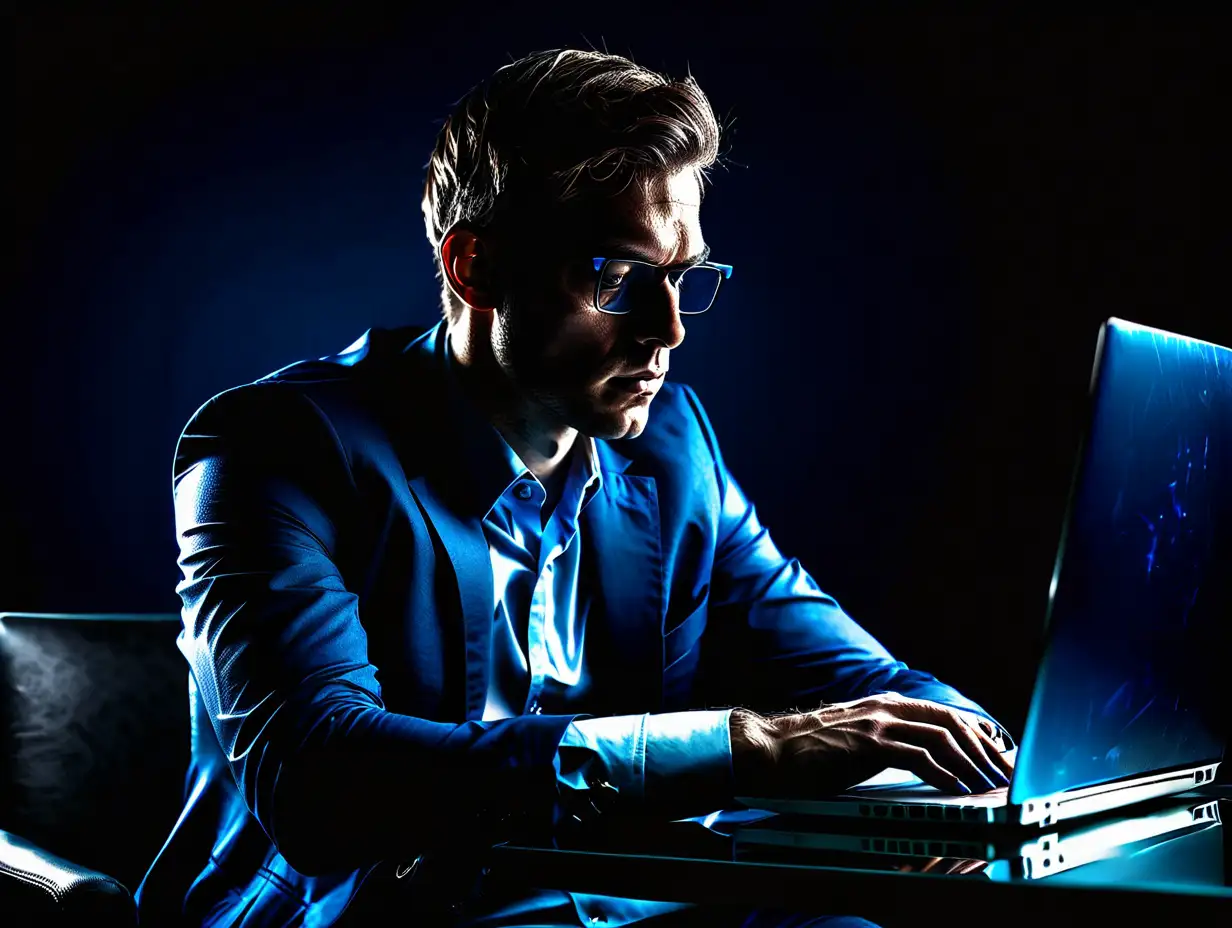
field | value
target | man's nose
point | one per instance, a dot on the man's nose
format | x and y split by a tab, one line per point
659	324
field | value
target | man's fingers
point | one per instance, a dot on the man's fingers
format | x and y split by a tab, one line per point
972	866
977	721
921	763
982	752
951	749
946	750
965	727
998	755
958	866
993	744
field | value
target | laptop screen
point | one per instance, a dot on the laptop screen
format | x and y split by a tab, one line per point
1131	679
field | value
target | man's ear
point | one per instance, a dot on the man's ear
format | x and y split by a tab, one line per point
467	262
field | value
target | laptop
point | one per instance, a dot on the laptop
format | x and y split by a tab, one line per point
1016	854
1126	704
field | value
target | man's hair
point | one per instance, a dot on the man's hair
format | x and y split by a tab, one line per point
552	126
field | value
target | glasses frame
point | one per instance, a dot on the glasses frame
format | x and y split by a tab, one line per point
674	276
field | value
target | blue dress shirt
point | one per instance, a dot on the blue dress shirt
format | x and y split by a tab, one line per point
538	663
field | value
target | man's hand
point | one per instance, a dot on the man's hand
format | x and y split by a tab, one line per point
952	866
839	745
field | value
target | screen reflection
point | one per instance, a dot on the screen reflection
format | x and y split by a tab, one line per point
1165	841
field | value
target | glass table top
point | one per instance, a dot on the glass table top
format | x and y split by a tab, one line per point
1173	845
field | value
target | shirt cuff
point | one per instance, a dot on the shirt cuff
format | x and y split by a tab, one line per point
688	757
663	758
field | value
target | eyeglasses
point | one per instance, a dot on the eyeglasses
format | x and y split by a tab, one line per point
620	282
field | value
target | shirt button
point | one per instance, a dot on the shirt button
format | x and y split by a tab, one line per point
523	491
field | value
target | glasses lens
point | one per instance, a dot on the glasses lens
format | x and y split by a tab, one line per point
698	288
621	283
617	284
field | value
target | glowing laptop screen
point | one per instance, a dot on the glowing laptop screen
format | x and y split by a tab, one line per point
1140	602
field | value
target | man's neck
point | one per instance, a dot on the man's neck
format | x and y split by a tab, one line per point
544	452
535	434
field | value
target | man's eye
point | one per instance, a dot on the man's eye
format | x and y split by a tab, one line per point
615	274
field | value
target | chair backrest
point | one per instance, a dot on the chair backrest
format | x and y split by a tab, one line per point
94	736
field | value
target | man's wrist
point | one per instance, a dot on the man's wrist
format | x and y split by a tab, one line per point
754	749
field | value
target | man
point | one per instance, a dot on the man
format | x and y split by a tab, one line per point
453	587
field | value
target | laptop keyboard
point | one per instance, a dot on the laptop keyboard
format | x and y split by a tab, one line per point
931	805
934	796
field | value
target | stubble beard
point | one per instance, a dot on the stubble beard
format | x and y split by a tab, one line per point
514	329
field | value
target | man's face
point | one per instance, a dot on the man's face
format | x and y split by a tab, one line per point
594	371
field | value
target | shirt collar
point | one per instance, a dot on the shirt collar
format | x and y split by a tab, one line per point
583	481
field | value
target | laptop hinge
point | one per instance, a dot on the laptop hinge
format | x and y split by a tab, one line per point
1048	810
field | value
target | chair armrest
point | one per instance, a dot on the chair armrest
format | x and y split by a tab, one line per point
40	882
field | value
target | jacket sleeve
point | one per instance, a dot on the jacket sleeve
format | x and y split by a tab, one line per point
264	500
797	648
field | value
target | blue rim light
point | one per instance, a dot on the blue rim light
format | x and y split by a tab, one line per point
725	268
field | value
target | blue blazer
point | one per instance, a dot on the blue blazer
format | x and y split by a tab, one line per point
337	593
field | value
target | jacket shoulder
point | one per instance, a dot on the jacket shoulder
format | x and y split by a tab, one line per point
339	389
373	353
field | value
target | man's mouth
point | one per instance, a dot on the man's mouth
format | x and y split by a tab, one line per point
639	383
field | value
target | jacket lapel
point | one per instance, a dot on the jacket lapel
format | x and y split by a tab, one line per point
621	529
462	538
443	488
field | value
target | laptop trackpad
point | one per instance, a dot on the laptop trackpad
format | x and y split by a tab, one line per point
893	785
891	778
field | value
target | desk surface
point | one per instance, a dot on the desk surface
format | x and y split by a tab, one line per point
1150	861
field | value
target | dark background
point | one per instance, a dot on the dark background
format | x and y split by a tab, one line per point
928	216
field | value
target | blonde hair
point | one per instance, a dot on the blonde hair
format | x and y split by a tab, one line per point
547	127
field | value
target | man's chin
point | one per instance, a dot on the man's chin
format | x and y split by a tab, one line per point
612	423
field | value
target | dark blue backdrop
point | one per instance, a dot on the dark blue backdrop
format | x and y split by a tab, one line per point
928	217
